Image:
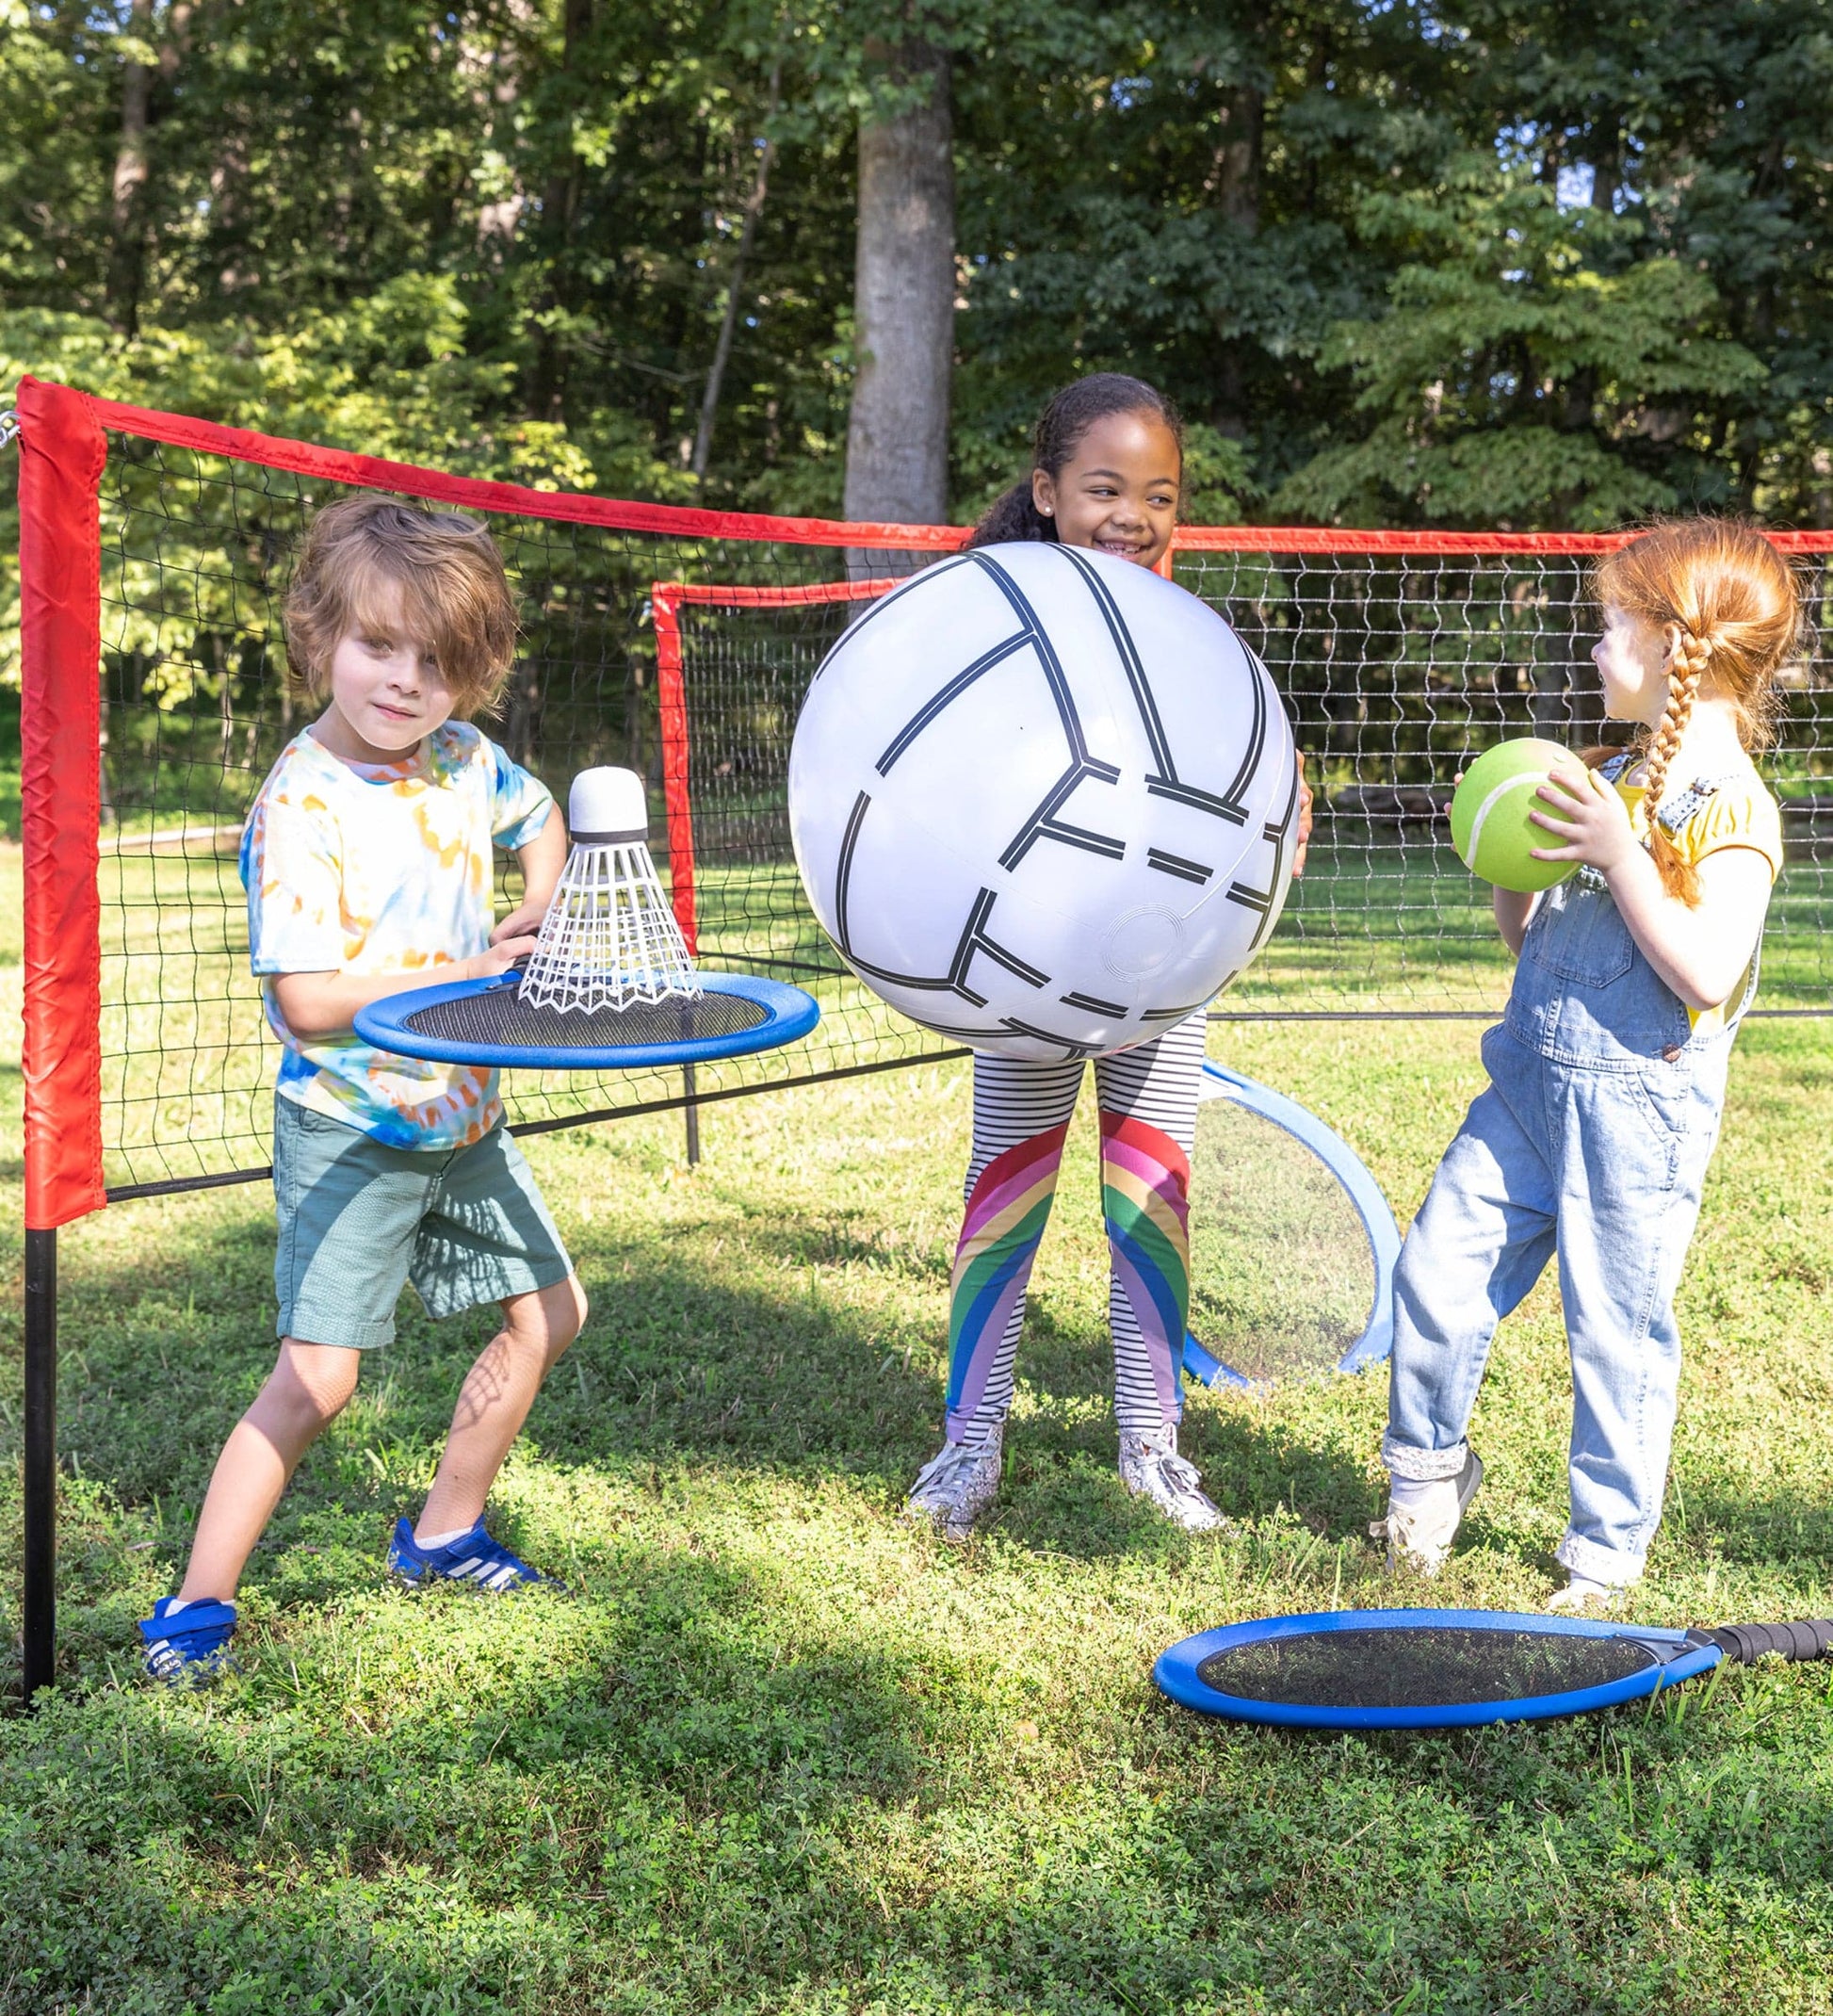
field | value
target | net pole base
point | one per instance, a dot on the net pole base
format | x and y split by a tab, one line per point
39	1635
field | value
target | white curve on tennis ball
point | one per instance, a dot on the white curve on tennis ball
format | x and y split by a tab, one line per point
1533	778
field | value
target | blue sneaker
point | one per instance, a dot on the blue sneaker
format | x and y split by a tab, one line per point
474	1557
192	1649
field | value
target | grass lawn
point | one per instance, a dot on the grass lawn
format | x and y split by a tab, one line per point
778	1753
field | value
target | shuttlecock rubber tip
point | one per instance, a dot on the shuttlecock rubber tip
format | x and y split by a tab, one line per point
608	804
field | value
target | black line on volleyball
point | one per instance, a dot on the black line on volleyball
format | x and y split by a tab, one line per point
1082	765
1164	782
894	594
1259	682
1254	898
1017	642
1091	843
972	938
1049	1035
1088	1000
1168	864
979	1032
1175	1015
1044	824
1129	659
975	938
843	873
1198	801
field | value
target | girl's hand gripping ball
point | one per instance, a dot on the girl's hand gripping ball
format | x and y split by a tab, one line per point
1490	827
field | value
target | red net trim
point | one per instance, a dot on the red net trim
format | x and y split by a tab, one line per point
666	601
372	472
62	452
807	593
1334	539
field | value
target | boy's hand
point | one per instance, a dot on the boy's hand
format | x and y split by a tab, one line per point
523	922
1589	818
503	953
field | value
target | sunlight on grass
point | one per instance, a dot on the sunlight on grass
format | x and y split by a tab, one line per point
777	1752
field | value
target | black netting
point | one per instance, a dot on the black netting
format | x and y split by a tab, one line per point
1436	1666
1397	670
196	557
503	1017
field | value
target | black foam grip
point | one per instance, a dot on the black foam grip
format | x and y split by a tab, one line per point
1747	1643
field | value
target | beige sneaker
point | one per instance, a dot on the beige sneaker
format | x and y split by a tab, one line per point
1582	1595
1151	1468
1420	1533
956	1486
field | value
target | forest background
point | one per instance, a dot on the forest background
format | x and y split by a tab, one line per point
1513	263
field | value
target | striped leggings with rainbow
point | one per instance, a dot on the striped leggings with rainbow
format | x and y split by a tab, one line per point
1148	1099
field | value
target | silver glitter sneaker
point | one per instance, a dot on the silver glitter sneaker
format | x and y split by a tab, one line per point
1151	1468
1420	1537
954	1487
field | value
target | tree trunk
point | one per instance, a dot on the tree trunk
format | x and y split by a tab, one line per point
1237	158
559	202
1235	181
904	302
129	228
709	404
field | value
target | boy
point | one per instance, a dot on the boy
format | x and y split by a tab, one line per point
366	858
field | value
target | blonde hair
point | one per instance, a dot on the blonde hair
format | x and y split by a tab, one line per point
454	594
1727	606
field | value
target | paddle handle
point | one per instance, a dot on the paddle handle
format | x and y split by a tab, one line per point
1747	1643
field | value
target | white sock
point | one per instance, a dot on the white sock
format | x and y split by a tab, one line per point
1581	1589
1411	1494
178	1604
430	1543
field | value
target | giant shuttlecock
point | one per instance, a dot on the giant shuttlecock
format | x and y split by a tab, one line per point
610	937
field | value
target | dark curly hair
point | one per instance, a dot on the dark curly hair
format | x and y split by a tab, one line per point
1059	430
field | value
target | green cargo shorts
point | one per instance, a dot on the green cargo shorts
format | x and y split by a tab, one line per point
357	1220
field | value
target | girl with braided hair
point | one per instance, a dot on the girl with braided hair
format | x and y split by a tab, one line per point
1607	1073
1107	466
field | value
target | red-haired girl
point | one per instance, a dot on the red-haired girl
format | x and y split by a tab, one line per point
1607	1073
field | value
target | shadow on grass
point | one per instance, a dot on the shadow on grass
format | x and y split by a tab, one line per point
701	1348
580	1759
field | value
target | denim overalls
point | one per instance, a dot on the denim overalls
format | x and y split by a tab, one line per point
1590	1143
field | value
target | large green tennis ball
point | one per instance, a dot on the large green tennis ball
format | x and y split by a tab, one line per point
1490	827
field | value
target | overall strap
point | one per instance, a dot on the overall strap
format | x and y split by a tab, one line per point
1678	807
1675	812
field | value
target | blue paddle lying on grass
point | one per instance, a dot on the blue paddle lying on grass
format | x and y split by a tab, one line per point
1450	1668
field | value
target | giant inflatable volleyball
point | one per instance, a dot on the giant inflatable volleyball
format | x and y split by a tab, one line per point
1042	801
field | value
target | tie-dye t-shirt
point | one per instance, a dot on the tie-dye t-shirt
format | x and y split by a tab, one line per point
385	868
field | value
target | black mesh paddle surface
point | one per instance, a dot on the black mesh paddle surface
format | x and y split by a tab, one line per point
1438	1666
501	1018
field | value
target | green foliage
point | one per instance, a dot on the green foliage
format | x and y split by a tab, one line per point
1515	373
1510	261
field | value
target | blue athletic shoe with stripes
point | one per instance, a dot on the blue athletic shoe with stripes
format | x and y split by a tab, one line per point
473	1558
190	1650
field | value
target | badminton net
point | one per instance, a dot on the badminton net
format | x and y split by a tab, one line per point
679	644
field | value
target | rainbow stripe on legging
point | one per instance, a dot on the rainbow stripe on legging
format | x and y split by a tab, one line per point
1007	1211
1146	1182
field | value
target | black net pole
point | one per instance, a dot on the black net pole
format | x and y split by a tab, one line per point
693	1109
39	1646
